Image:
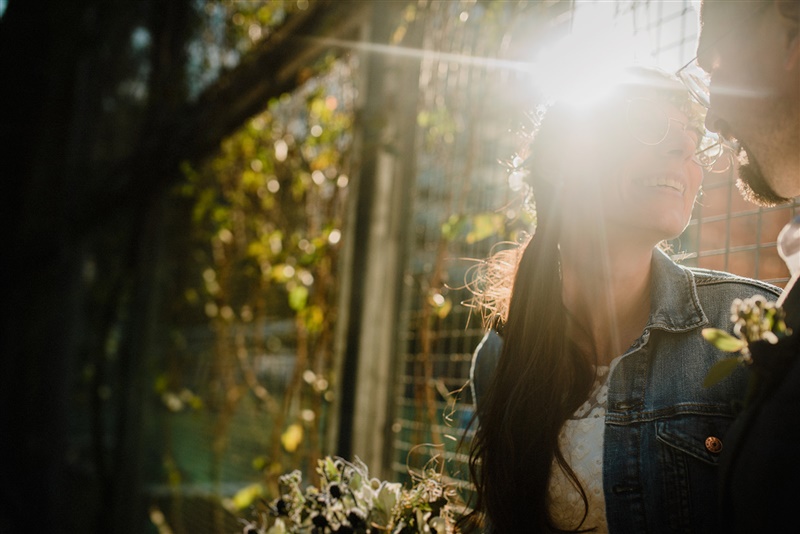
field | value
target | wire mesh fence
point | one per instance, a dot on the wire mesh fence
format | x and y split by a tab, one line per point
470	106
459	173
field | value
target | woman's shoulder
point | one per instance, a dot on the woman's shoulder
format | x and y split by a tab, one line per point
721	282
486	354
484	362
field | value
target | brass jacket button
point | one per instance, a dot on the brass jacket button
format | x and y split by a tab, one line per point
713	444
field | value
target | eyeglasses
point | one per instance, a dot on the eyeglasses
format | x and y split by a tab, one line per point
715	153
697	82
648	123
713	147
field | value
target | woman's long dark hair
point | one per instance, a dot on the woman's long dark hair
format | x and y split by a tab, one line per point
539	382
541	378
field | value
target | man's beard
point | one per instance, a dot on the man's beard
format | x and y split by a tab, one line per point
752	184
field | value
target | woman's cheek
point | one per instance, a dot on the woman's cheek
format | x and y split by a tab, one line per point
695	175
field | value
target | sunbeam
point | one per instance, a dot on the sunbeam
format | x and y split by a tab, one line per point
401	51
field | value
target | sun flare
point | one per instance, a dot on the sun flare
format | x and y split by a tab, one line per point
584	65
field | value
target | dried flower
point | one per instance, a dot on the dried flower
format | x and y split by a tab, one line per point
348	501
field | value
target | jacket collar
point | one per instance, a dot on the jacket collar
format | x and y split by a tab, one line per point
675	306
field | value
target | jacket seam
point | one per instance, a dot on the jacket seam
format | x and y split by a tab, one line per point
716	280
672	411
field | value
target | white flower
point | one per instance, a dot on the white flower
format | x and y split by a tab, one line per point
438	525
769	337
347	496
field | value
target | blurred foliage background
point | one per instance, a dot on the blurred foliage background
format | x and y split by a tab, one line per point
239	234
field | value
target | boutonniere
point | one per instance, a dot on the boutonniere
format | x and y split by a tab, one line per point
754	319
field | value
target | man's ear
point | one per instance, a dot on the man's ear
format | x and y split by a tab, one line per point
790	18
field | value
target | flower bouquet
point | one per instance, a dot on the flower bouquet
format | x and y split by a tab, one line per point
348	501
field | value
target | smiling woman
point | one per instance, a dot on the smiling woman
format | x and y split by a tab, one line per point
591	409
635	175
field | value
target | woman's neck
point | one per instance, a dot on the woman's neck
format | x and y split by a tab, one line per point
606	291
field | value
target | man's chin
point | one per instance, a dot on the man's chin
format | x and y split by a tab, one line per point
755	188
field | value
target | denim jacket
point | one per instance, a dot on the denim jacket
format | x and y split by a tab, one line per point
663	429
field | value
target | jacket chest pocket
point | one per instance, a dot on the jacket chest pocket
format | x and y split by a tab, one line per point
699	436
688	451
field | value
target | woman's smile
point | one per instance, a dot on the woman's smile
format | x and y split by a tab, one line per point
665	181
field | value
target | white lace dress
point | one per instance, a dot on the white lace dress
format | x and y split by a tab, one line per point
582	443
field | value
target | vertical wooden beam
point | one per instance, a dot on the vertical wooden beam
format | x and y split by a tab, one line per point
385	131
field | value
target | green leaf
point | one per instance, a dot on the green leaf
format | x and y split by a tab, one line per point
292	437
245	496
298	296
313	316
423	119
259	463
720	370
723	340
452	227
161	383
329	470
485	225
443	310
